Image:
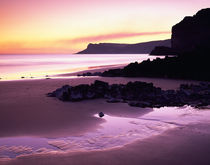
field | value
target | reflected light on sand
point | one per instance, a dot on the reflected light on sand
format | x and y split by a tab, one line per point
114	132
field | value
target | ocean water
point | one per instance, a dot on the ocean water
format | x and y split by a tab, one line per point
13	67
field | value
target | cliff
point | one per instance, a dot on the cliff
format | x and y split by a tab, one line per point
113	48
192	32
191	38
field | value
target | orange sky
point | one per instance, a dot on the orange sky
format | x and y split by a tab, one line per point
67	26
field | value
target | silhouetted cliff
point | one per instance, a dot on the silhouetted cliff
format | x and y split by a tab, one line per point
192	32
191	37
113	48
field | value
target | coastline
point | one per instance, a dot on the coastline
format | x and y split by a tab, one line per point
93	69
70	74
54	111
164	83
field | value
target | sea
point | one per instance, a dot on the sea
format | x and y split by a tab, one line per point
17	67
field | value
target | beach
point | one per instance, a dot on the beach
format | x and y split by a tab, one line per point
104	82
25	111
179	146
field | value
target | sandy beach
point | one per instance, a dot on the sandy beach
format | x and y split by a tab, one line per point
180	146
90	82
25	111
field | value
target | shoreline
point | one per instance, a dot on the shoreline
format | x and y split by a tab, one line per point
73	75
93	69
70	75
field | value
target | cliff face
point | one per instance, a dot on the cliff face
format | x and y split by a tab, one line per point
192	32
112	48
191	39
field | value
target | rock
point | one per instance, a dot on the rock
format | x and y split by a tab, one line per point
61	93
101	84
192	32
112	73
162	50
101	114
90	74
191	40
138	94
81	92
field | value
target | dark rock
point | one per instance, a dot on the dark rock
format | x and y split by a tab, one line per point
61	93
163	50
90	74
139	94
101	114
192	32
191	39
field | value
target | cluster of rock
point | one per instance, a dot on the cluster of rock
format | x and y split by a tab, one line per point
89	74
139	94
193	65
163	50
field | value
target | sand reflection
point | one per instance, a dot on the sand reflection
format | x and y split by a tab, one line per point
114	132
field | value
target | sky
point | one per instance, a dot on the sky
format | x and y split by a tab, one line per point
67	26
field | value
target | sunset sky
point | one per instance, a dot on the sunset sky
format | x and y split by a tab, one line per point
67	26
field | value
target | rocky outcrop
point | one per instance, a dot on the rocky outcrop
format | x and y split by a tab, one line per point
89	74
191	38
192	32
138	94
163	50
188	35
193	66
113	48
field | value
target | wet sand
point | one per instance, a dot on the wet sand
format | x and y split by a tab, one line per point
26	111
95	69
181	146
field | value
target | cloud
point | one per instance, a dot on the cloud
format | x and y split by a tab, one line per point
65	46
111	36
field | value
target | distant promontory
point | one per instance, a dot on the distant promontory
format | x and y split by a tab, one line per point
191	40
114	48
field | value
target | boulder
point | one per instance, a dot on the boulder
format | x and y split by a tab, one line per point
101	114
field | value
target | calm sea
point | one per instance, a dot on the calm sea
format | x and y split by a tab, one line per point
13	67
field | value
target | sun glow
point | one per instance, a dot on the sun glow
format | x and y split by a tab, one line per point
41	26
